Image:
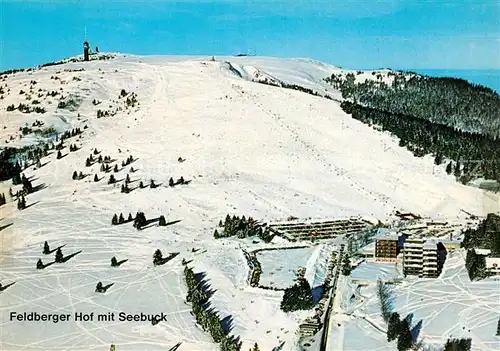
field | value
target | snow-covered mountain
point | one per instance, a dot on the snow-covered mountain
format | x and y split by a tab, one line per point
247	149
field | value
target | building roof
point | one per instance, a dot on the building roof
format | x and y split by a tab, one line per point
430	244
386	234
483	252
492	262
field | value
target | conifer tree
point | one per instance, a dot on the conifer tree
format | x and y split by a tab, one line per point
181	180
99	159
39	264
171	182
2	199
141	185
103	168
157	257
152	184
405	340
46	248
114	262
255	347
130	218
59	256
96	152
162	222
121	219
449	167
393	327
96	178
498	327
346	266
112	179
457	171
127	179
114	220
132	170
21	203
59	154
115	169
80	176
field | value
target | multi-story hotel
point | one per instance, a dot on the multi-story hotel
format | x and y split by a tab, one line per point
386	246
420	257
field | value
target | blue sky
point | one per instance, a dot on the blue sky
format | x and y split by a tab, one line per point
451	34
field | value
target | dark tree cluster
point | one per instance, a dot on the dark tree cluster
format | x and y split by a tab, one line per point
105	167
9	165
128	161
120	219
78	176
131	100
180	181
475	265
27	186
26	108
293	87
458	345
486	236
3	201
207	318
452	102
101	113
400	330
471	154
346	265
89	160
140	220
71	133
386	300
297	297
21	203
125	189
243	228
73	147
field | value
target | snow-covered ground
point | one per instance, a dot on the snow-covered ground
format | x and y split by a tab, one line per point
249	149
449	307
279	267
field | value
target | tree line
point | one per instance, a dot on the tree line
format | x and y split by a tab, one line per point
206	317
469	154
452	102
242	228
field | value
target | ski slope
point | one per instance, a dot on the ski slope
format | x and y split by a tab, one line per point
249	149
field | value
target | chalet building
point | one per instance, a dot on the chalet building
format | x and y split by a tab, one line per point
386	246
420	257
310	326
492	263
493	266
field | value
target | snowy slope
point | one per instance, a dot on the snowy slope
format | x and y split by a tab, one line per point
250	149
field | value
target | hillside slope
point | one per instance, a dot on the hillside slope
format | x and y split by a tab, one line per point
249	149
